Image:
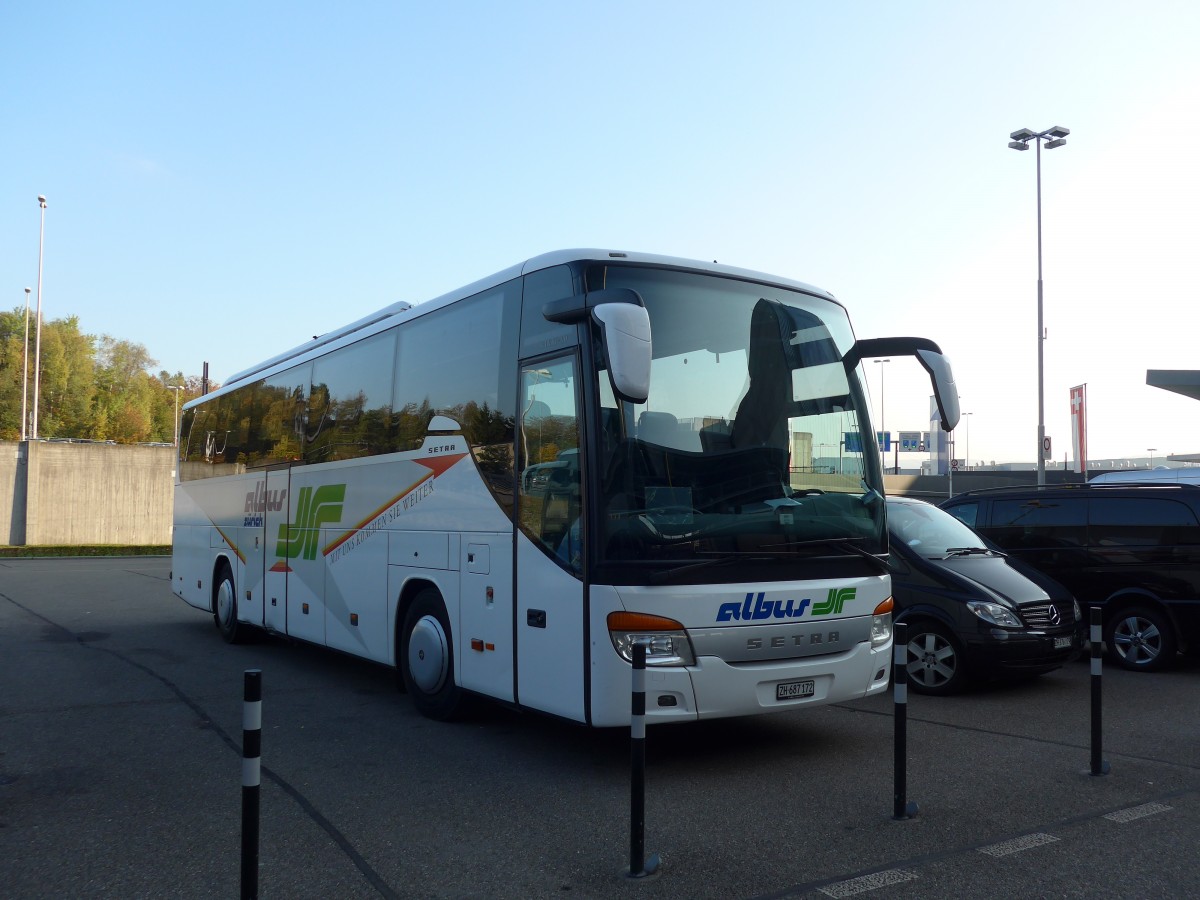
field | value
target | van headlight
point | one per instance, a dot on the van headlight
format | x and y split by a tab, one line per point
667	642
994	613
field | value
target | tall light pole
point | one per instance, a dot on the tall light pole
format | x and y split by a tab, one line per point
967	438
25	377
1054	137
176	388
37	354
1151	449
882	412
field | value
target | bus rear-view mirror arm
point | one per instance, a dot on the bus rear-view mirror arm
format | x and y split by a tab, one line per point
929	355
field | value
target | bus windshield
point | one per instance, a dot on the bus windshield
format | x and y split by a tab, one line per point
749	446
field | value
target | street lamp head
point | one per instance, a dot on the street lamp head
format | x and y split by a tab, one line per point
28	291
1050	145
1023	135
41	201
1018	145
1058	132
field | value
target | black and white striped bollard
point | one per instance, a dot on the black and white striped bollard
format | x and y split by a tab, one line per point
902	809
639	866
251	779
1099	765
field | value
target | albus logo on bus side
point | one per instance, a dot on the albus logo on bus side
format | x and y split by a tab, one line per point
314	508
259	501
757	609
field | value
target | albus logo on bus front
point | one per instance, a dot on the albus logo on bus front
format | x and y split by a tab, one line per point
757	609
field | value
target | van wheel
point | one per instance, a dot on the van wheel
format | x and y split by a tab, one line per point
935	662
1141	638
225	607
427	658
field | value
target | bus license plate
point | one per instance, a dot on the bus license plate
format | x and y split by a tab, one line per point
793	690
1061	642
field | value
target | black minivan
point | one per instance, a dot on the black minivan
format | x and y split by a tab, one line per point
1132	550
971	611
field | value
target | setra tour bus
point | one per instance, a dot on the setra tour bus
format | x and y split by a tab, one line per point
499	491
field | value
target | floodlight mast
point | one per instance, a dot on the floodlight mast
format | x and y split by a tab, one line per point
37	342
1054	137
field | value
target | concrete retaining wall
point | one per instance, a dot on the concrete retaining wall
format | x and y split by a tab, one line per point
75	494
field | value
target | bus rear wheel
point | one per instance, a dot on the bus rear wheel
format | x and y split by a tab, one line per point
427	658
225	607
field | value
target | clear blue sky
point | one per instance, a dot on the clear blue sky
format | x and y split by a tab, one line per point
226	180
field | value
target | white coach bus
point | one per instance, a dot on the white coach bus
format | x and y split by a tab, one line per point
499	491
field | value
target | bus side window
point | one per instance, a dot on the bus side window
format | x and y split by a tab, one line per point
548	444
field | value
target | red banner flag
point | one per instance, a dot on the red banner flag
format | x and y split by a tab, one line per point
1079	427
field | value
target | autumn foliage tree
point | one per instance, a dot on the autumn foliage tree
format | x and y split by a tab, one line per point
93	388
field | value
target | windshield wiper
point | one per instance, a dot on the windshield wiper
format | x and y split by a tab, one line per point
842	543
969	551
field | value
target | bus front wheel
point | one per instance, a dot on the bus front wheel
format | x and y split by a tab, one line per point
427	658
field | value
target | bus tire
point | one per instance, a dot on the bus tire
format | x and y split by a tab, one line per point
225	606
427	658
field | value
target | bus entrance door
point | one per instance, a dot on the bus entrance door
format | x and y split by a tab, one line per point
549	557
275	520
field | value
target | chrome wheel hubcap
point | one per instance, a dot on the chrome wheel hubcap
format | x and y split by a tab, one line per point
225	602
428	659
931	660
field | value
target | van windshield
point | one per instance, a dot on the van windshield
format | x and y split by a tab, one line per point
930	531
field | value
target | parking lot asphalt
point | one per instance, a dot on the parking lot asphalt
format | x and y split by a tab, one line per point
120	776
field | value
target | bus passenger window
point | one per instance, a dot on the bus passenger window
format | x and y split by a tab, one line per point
550	477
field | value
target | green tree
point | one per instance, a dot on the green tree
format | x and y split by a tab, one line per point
97	388
12	371
65	387
126	394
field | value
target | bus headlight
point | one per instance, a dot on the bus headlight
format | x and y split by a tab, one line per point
881	624
666	640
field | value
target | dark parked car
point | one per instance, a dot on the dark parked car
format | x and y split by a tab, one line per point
971	611
1132	550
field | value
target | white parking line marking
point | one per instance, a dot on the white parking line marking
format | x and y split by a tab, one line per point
1137	812
1016	845
865	883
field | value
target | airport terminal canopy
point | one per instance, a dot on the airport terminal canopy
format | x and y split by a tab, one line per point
1180	381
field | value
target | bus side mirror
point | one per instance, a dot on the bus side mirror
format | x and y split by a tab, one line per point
945	391
929	355
625	329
